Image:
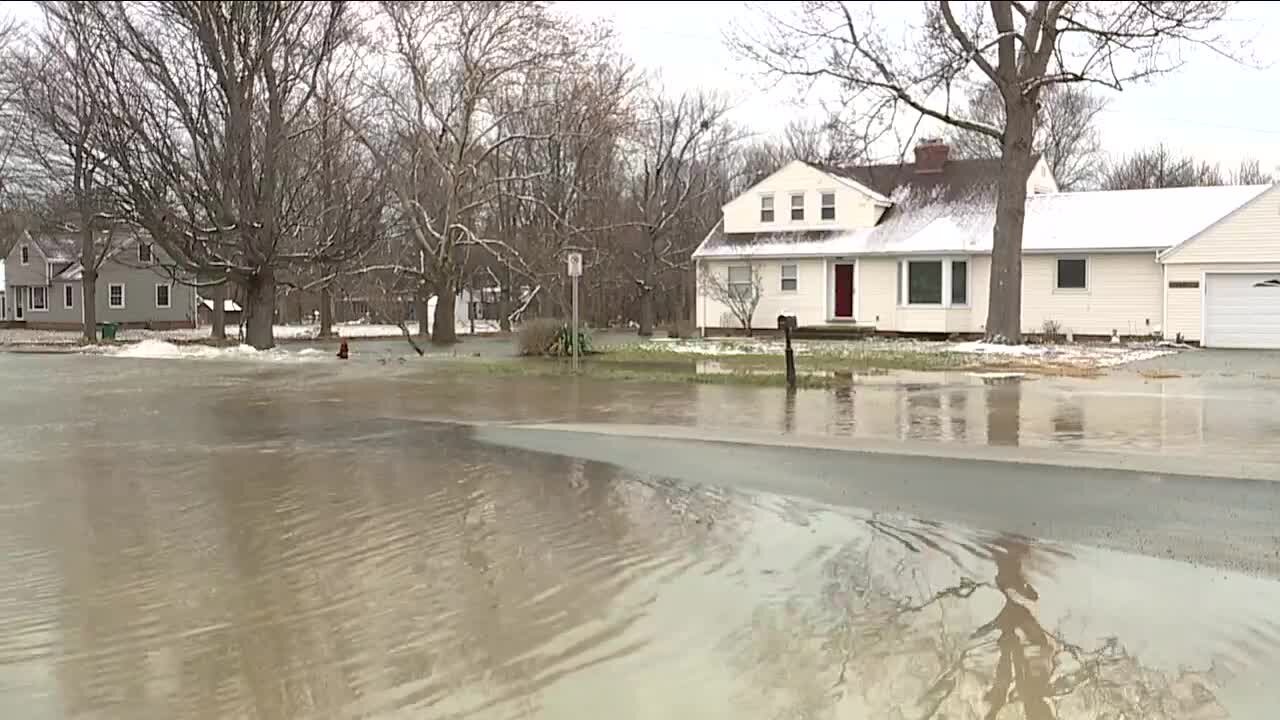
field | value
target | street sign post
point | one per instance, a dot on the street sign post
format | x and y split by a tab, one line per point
575	272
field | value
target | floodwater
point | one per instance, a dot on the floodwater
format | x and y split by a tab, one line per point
247	539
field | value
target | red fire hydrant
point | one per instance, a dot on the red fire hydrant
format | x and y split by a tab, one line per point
343	351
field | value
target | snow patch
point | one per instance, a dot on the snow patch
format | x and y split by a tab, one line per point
998	375
161	350
985	348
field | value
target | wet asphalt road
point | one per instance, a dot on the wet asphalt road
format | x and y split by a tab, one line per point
1220	522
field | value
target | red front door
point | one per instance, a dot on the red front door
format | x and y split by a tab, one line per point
844	291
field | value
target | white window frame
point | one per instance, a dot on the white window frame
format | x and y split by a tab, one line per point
795	278
68	297
32	297
823	206
904	281
110	287
772	209
150	258
791	206
168	296
951	279
729	282
24	254
1088	270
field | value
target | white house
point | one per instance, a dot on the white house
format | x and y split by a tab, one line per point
907	248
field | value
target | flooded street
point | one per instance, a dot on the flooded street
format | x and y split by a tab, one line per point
304	539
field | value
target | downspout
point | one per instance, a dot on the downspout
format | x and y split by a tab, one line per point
1164	298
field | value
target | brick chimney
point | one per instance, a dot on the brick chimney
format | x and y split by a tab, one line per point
931	155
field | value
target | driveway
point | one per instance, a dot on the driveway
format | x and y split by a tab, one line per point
1262	363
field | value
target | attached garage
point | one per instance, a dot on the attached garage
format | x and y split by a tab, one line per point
1222	285
1242	310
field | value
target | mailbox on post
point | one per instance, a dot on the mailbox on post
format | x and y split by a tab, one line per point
787	323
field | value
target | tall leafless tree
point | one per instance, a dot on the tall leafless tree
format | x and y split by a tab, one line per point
208	106
62	143
1066	132
682	144
1020	47
443	122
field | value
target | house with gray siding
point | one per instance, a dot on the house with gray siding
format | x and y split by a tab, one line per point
42	286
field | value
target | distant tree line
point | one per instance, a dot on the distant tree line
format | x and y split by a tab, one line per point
401	151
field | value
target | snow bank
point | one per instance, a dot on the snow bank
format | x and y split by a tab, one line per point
161	350
1097	356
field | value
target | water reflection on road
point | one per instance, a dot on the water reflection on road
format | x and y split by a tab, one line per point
216	541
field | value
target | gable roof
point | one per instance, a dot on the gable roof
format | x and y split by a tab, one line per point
955	222
1169	252
54	248
876	197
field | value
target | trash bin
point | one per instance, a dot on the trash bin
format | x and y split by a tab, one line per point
108	330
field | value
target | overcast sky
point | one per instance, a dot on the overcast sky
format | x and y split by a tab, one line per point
1212	107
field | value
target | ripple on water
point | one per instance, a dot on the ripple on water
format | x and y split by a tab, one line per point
378	569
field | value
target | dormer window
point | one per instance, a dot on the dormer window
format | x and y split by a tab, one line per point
766	208
828	206
797	206
144	253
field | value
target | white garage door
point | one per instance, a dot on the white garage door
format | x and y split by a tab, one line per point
1242	311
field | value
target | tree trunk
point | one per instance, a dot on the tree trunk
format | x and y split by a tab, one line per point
1004	313
646	311
89	304
260	310
443	331
504	304
420	311
326	313
218	315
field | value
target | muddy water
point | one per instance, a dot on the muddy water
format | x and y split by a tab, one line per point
216	539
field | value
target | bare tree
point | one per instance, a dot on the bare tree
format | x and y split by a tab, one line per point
1021	47
1066	132
682	144
453	61
1159	167
741	295
1250	172
62	140
208	107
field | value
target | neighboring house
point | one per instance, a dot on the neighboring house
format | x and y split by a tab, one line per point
43	289
231	312
907	249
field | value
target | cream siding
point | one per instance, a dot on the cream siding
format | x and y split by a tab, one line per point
1183	306
1123	294
807	302
854	209
1250	234
879	300
1041	180
1247	240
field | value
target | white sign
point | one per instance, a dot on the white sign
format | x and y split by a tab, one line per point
575	264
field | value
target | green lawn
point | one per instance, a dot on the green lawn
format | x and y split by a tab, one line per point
816	368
